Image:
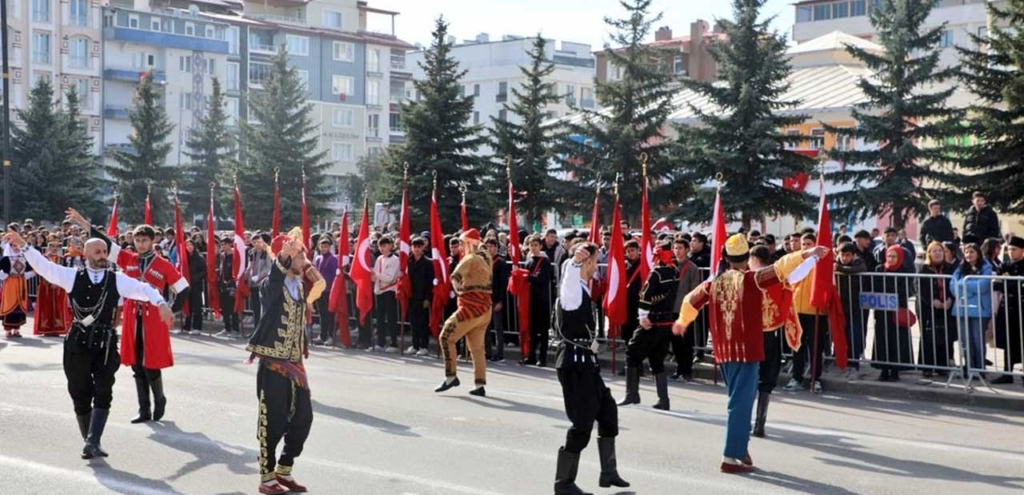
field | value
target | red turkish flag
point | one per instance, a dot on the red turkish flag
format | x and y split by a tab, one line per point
404	250
718	235
646	243
238	258
595	221
362	267
439	256
338	302
179	242
112	228
824	294
465	217
212	289
519	283
147	214
615	298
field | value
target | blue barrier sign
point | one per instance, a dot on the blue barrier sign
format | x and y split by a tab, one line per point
879	301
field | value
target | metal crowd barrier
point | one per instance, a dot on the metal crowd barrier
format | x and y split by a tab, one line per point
992	326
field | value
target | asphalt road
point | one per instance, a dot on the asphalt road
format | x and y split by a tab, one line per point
380	429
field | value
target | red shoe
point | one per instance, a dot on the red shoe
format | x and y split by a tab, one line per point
273	489
291	485
736	468
747	460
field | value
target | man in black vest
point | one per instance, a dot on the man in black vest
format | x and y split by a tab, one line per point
90	349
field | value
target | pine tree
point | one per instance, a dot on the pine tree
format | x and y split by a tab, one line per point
283	136
994	73
210	147
527	139
54	152
901	114
598	146
743	139
146	162
439	139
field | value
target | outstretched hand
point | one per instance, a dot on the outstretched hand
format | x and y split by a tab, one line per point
13	238
76	218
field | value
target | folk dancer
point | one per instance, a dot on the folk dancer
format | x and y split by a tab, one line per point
471	280
737	330
53	314
15	272
586	397
90	349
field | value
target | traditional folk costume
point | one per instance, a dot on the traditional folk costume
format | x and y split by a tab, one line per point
471	317
90	348
657	304
53	314
145	339
15	272
279	342
587	399
737	328
779	320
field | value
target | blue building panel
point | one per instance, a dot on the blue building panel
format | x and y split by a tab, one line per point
355	69
132	75
168	40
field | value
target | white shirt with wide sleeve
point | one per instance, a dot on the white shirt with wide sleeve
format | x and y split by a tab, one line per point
64	277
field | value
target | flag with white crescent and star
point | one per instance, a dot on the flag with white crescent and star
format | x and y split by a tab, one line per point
362	267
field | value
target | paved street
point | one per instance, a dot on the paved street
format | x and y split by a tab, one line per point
379	429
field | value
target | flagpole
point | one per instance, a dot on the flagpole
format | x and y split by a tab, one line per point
615	341
405	198
817	317
718	195
177	214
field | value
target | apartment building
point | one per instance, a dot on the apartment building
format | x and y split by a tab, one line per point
58	40
493	70
682	57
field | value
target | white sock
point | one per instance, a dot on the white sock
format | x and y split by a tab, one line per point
270	483
449	380
289	477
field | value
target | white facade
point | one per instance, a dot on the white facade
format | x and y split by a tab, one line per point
493	70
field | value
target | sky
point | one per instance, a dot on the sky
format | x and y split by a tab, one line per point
578	21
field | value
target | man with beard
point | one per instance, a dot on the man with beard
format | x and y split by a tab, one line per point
90	349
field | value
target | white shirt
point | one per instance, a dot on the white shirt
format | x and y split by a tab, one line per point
386	269
64	277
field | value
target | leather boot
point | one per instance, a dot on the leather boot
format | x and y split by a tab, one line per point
763	398
565	474
159	400
142	387
92	442
661	381
632	387
609	466
83	425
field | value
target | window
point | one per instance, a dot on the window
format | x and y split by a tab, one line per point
298	45
166	26
304	78
876	4
332	19
41	48
476	90
677	65
373	92
41	10
948	39
259	72
502	92
844	143
570	94
231	104
373	125
342	85
261	40
804	14
503	115
210	66
395	122
40	77
817	139
79	53
185	63
341	152
185	100
373	61
823	12
858	8
190	29
587	97
343	117
211	33
79	12
233	34
476	118
82	88
232	76
840	10
793	143
154	25
462	91
983	32
133	21
344	52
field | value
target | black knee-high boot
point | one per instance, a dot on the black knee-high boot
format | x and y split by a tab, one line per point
632	386
763	398
609	465
159	400
661	381
565	474
142	387
96	425
83	425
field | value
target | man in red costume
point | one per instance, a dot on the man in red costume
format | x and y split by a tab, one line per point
145	338
53	313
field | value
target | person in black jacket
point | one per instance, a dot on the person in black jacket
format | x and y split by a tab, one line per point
499	291
981	221
421	277
540	273
197	282
228	290
936	227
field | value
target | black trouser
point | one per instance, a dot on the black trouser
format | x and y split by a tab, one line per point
682	349
587	399
194	320
540	325
140	354
387	319
227	310
498	327
327	326
768	372
366	326
285	411
419	322
807	356
90	375
256	306
628	329
651	345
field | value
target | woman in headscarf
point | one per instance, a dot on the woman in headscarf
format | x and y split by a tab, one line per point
973	306
892	328
935	307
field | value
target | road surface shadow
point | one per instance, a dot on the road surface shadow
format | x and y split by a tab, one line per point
363	419
127	483
798	484
206	451
28	341
511	405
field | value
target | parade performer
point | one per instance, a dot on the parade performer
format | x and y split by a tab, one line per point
737	332
279	341
90	348
586	397
53	315
778	312
657	312
74	256
15	272
471	281
145	339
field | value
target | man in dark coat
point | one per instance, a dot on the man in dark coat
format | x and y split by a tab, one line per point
981	221
936	227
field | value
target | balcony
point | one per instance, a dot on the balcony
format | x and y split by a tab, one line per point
166	40
286	19
110	149
256	46
115	112
132	75
374	71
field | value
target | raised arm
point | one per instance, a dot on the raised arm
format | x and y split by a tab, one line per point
61	276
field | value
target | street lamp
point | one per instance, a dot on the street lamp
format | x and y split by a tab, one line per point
7	113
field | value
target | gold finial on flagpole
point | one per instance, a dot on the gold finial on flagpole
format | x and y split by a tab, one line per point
213	187
508	168
434	173
643	163
174	189
718	179
234	177
617	176
277	172
405	172
463	189
149	187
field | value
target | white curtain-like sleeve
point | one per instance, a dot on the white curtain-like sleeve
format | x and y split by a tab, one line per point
61	276
570	295
802	271
130	288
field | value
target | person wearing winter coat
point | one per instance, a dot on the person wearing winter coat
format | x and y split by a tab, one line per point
973	306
